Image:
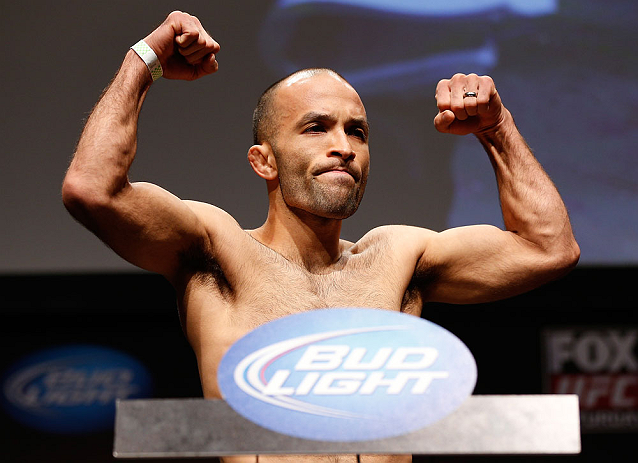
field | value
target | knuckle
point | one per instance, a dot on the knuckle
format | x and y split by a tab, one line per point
441	87
486	80
457	107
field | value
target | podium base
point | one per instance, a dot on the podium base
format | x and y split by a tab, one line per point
483	425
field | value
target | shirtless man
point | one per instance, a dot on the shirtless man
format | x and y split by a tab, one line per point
311	148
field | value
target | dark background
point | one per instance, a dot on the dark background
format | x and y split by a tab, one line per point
136	313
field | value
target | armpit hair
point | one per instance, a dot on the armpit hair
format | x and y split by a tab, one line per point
419	286
198	261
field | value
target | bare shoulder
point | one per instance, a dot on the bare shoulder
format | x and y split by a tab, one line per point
400	232
206	210
396	245
216	221
403	237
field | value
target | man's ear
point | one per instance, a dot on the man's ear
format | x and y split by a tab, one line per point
262	160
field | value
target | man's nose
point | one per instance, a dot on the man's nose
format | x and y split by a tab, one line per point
341	146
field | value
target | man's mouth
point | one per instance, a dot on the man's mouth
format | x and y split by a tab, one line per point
338	172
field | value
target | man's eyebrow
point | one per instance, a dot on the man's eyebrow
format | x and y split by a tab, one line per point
314	116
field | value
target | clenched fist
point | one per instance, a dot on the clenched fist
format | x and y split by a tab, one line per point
468	104
184	48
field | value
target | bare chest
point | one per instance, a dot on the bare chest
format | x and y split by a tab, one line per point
270	287
284	290
229	297
253	284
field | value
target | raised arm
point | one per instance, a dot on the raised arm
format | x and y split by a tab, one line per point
143	223
482	263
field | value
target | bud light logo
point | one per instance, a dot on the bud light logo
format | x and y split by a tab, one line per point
347	374
72	389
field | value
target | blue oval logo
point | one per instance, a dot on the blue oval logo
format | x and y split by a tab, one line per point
347	374
72	389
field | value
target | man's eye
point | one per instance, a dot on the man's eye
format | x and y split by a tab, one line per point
315	128
359	133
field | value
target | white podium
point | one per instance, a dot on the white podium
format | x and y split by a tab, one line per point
483	425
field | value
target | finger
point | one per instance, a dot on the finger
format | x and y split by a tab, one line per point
442	94
187	39
203	43
186	28
196	48
486	91
189	30
444	120
471	87
209	64
457	88
199	57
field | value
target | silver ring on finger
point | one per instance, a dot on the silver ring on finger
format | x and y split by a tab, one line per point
470	95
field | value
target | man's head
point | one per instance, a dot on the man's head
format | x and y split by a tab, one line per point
264	116
311	142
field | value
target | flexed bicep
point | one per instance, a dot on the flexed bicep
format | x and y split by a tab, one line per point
483	263
143	223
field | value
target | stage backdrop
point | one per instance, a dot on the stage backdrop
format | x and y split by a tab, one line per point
566	69
70	344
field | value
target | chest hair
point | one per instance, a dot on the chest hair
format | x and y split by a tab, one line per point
269	286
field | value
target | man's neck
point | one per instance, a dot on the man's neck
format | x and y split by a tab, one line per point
310	241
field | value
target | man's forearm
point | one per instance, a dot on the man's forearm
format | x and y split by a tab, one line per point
108	143
531	205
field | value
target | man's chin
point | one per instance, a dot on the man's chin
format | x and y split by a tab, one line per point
330	211
334	204
341	212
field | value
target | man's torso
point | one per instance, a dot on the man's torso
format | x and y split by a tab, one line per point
248	284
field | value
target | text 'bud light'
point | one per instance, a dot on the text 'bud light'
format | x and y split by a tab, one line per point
347	374
72	389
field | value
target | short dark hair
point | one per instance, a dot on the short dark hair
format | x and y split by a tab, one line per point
264	112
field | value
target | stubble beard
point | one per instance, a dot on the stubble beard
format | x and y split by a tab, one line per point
331	201
327	201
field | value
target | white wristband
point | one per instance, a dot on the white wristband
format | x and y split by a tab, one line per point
150	58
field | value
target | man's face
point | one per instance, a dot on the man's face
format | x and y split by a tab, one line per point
321	145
